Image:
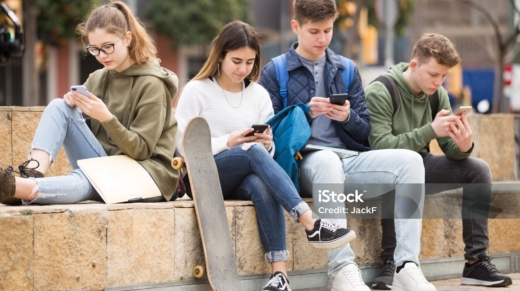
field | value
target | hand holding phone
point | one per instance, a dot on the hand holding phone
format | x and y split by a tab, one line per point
463	110
257	128
81	89
338	99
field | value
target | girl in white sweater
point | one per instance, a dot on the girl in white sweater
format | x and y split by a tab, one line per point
224	92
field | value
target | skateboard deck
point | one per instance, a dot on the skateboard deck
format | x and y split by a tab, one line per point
216	238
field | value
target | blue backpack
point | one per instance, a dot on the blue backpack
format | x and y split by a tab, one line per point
290	128
282	75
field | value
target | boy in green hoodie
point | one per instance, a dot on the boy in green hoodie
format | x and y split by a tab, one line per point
411	126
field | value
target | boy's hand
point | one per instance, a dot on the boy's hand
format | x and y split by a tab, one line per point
461	134
319	105
339	112
442	124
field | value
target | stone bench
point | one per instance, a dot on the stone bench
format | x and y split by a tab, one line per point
96	246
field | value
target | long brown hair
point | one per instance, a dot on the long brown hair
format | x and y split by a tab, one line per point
117	18
232	36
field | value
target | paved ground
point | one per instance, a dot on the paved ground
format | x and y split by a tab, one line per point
454	284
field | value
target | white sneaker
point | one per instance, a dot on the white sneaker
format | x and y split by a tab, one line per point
349	279
411	278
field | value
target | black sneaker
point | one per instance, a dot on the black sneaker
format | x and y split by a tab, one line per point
328	234
278	282
385	278
484	273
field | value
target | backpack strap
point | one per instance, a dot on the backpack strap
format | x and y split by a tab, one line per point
282	76
434	103
392	89
348	72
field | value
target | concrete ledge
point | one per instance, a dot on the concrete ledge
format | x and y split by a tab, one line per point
95	246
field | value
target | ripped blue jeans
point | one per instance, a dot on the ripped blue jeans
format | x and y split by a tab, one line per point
254	175
64	126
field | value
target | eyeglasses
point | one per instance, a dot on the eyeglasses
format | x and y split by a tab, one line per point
107	48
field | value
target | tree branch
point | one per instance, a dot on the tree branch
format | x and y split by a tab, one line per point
493	23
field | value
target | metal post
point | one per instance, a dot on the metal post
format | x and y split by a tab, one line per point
390	13
31	84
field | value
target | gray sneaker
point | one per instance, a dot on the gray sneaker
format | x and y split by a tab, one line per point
385	278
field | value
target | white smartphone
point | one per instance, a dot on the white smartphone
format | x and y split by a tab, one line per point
463	110
81	89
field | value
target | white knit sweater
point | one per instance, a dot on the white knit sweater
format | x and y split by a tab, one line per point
205	98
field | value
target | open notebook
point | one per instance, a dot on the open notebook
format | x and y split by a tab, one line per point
119	179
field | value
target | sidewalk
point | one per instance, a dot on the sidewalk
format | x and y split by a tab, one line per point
454	284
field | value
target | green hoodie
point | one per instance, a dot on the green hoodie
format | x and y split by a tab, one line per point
144	127
410	127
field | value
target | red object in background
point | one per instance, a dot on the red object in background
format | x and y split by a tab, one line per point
508	74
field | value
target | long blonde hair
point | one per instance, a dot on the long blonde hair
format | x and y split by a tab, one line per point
117	18
232	36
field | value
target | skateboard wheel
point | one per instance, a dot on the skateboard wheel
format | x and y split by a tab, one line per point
177	163
198	272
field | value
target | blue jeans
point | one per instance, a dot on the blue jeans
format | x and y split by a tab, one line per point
59	126
253	175
403	170
62	125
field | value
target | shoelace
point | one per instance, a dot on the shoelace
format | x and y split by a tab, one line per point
276	281
8	171
23	168
388	268
488	265
330	225
416	274
354	277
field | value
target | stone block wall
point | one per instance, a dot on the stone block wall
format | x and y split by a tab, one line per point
494	139
17	128
93	246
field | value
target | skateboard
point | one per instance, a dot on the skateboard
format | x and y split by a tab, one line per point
216	238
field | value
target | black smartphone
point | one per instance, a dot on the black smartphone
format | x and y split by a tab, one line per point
257	128
338	99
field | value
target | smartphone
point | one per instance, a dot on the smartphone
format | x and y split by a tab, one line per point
81	89
338	99
257	128
463	110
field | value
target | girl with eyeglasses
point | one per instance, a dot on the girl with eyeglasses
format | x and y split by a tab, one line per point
128	111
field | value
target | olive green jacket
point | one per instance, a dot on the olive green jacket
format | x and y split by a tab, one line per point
410	128
144	127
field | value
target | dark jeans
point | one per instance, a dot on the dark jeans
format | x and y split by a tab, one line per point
444	174
254	175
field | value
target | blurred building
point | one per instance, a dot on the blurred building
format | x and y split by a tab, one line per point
471	32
